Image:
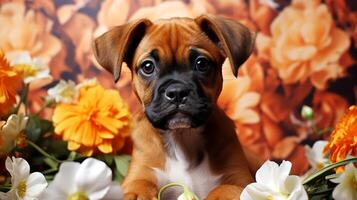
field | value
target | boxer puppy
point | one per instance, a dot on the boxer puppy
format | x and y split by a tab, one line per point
181	135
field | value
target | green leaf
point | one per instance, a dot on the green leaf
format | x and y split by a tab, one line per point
37	127
118	177
328	168
106	158
122	163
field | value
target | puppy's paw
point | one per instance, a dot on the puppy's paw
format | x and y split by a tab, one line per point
225	192
140	190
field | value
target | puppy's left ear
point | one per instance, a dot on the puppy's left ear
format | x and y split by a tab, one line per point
236	40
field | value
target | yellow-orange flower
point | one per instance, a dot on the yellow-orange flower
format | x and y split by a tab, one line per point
9	82
99	121
343	139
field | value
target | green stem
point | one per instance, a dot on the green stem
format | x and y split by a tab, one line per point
5	187
23	99
40	150
49	171
328	168
168	186
321	192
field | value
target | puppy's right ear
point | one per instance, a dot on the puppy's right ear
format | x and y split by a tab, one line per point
118	45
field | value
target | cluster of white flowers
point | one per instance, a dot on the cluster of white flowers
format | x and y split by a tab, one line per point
274	182
91	179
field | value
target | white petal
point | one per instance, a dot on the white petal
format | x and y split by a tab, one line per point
36	183
114	193
267	175
283	172
319	146
7	196
64	181
255	191
294	187
94	177
53	193
346	190
18	168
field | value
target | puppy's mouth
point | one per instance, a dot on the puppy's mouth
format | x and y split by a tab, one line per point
178	121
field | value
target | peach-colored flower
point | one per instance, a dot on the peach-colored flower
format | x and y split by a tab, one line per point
10	81
236	98
328	108
108	15
241	104
168	9
23	30
98	122
305	44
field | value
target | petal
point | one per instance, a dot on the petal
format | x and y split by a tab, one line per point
18	168
53	193
36	184
255	191
94	177
266	174
64	181
106	146
295	188
247	116
115	192
249	99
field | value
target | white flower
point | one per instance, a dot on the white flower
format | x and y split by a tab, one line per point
14	125
30	69
274	182
317	159
89	180
63	92
347	187
114	193
25	186
315	155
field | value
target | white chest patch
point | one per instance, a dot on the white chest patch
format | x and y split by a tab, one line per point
200	180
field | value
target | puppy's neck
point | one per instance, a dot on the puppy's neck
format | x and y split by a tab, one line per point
185	144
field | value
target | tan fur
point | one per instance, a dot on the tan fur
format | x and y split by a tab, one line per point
173	38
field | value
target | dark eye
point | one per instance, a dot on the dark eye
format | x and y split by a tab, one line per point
202	64
147	67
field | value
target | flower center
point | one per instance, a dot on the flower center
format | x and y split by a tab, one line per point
25	70
21	189
78	196
269	197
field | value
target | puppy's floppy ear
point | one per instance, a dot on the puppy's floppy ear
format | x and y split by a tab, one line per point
236	40
118	45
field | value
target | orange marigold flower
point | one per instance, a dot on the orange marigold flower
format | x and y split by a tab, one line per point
10	81
99	121
343	139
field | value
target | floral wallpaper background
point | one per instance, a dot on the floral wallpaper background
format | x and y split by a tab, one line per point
305	54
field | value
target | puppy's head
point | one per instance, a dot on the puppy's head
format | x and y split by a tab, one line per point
175	64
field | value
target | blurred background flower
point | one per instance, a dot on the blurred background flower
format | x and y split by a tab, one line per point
9	84
305	44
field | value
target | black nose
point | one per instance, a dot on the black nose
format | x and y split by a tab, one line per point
177	93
